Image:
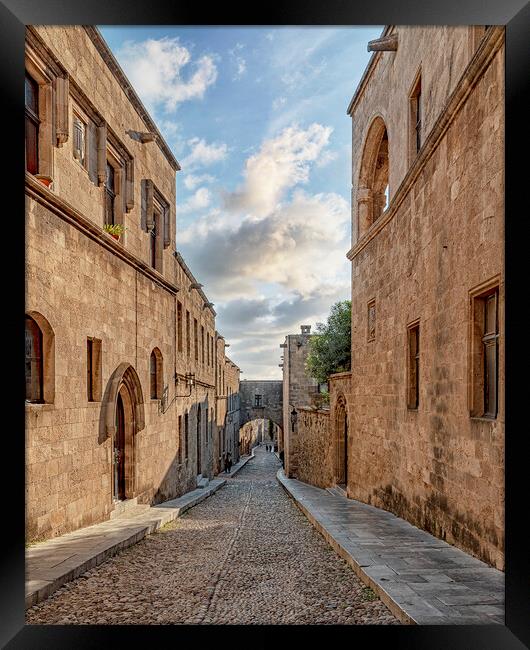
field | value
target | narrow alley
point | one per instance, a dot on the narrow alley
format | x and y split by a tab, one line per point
246	555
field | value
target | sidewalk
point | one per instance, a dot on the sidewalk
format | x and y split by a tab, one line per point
51	564
420	578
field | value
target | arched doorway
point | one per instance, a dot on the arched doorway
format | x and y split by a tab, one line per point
341	428
123	447
122	418
199	446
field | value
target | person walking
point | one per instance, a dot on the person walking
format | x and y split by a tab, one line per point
228	462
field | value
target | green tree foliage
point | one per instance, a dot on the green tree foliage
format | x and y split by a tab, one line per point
330	348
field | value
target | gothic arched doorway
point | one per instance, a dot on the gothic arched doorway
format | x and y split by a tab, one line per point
341	428
122	418
123	447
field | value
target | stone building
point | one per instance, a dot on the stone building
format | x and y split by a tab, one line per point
121	346
417	427
298	390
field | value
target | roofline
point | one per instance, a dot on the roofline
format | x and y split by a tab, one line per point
367	72
193	279
113	65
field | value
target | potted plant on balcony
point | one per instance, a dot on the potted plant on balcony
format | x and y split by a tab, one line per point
45	180
114	229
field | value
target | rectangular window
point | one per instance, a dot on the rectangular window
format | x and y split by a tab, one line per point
93	369
257	400
188	334
371	321
196	338
202	344
416	114
32	124
414	366
154	235
179	325
79	140
485	354
110	194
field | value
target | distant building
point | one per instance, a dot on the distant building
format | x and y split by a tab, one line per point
298	390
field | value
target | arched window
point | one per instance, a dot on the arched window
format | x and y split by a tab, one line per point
34	362
40	359
373	189
156	376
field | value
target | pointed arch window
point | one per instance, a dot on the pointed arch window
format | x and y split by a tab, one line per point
34	362
156	374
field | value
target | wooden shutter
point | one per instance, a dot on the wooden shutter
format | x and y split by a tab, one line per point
61	110
148	213
129	185
92	136
102	153
167	230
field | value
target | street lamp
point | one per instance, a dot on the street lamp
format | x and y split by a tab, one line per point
294	418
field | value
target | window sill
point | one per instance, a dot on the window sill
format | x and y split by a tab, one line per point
483	418
41	406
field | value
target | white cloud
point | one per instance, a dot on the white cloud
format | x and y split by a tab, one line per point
204	154
192	180
301	245
155	68
281	163
200	200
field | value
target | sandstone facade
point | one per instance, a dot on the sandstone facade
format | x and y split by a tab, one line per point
298	390
129	404
426	400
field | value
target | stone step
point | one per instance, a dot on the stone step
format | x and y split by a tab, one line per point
203	482
337	491
128	508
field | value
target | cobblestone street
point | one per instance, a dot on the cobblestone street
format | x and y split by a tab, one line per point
246	555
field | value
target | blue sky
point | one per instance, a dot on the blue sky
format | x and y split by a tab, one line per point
257	119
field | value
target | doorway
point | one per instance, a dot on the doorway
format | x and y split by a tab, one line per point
199	450
119	452
341	423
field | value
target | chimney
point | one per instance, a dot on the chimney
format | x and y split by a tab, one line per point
306	329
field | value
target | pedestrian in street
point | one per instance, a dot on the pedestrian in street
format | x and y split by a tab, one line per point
229	462
281	457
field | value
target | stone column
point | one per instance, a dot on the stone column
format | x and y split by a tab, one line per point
365	209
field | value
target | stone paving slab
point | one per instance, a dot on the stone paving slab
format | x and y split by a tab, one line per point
422	579
51	564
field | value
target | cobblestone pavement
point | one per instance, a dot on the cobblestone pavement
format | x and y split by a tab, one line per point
246	555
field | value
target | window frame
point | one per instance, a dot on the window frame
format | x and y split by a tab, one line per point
78	114
479	340
413	365
415	117
36	397
33	118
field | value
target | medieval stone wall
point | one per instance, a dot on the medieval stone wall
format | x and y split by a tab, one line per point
298	390
315	447
438	466
81	283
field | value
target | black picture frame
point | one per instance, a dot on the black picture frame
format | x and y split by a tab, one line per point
515	15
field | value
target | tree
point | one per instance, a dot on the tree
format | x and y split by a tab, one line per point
330	348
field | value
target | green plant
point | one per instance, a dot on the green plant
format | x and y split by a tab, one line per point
368	594
330	348
114	228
